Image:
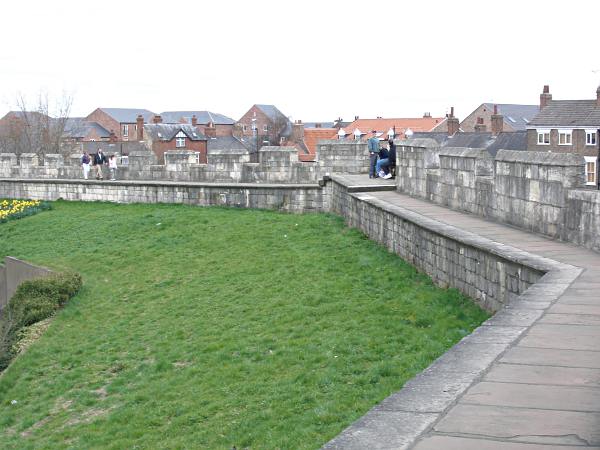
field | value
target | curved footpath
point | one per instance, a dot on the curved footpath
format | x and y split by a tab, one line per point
527	379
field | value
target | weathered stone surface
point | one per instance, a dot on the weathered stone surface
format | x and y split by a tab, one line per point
549	375
568	337
552	357
461	443
523	425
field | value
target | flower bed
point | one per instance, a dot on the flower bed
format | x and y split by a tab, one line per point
16	209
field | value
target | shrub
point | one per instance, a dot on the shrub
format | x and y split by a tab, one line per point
34	300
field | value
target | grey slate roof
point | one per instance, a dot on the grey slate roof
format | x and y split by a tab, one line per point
166	131
128	115
203	117
322	124
272	112
228	143
565	113
507	140
78	127
517	116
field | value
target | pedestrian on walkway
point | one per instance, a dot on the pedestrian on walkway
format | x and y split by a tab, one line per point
373	145
99	161
85	164
112	166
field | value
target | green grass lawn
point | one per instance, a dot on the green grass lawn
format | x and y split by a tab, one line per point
214	328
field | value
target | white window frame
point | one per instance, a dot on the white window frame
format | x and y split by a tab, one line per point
265	128
591	137
542	133
180	140
568	134
125	130
591	170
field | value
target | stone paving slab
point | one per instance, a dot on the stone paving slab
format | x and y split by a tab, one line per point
571	319
567	337
460	443
552	357
522	424
593	309
566	398
552	375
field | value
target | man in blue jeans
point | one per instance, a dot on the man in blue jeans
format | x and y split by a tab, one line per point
373	145
387	160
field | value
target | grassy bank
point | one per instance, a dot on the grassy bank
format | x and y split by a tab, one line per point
213	328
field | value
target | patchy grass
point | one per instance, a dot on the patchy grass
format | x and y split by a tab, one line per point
213	328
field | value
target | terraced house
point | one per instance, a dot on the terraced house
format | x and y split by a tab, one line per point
568	126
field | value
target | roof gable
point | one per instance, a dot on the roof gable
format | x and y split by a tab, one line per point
166	131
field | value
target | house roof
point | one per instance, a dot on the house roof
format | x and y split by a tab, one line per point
78	127
567	113
320	125
507	140
400	124
517	116
167	131
313	135
128	115
228	143
203	117
272	112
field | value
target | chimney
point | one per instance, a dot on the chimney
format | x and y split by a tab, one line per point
453	124
194	120
237	131
355	117
317	125
140	127
426	115
598	97
497	122
157	119
545	97
297	132
480	126
112	136
210	131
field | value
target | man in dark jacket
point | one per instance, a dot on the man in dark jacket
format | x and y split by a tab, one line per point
388	160
99	161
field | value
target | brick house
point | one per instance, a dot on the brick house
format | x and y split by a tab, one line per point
162	137
77	129
568	126
121	121
223	124
515	117
269	124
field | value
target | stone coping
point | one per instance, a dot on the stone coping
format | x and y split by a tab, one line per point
158	183
403	417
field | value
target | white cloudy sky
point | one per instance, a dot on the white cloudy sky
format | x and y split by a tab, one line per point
315	60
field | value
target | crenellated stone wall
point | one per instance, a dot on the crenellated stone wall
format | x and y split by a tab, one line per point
540	192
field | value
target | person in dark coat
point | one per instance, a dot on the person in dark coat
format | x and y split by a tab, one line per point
99	161
387	161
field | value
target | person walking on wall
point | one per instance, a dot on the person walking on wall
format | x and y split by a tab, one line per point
85	164
99	161
112	166
373	145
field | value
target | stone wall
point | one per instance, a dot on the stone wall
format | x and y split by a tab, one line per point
540	192
451	257
284	197
273	165
13	273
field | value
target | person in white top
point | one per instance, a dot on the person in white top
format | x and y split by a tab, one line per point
112	165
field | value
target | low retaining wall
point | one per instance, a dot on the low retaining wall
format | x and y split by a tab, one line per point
284	197
482	270
13	273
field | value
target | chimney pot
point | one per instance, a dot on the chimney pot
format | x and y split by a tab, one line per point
546	89
545	97
157	119
598	97
210	130
194	120
497	122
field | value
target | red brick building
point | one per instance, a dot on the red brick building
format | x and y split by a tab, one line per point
266	122
121	121
162	137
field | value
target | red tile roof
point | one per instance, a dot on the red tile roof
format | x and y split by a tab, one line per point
313	135
400	125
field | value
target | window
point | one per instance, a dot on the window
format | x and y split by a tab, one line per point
244	127
590	137
564	137
281	140
125	130
180	140
543	137
590	170
265	128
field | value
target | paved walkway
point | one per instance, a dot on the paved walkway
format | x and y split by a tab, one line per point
543	392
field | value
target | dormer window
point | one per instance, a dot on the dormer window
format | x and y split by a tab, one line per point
180	139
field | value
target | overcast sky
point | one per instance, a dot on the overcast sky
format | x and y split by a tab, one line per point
314	60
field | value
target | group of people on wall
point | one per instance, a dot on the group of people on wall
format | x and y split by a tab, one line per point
98	160
381	158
